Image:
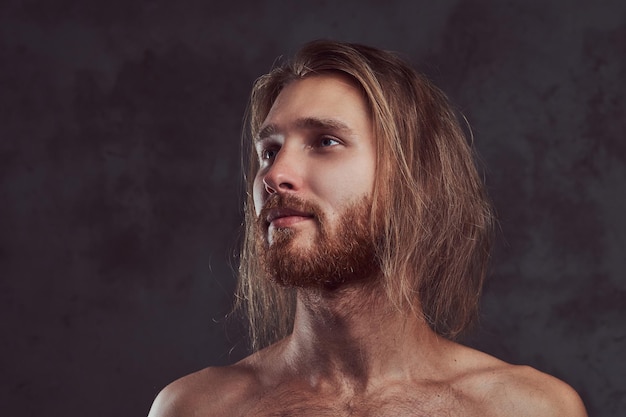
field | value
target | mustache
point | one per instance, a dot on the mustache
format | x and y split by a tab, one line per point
291	202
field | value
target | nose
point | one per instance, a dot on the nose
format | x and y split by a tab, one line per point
284	175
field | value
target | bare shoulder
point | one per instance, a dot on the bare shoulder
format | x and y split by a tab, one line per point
212	391
515	390
528	392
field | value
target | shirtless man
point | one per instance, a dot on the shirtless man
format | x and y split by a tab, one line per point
367	236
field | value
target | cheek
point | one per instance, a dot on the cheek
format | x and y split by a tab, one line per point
362	183
343	185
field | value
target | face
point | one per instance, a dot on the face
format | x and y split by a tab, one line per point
316	174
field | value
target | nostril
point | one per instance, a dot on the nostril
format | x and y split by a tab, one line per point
271	186
268	188
281	176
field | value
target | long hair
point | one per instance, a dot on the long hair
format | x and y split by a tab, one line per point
430	213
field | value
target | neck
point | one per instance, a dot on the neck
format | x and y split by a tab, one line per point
356	336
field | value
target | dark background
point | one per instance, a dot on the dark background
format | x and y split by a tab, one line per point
120	186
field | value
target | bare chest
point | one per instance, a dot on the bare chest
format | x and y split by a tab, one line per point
397	403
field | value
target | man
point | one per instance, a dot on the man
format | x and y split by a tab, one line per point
367	236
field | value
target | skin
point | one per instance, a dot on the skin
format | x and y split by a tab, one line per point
313	147
350	353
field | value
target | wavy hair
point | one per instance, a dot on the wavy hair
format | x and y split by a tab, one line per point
430	211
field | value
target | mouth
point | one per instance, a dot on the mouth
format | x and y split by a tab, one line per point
284	217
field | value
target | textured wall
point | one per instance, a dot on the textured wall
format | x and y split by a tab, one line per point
120	192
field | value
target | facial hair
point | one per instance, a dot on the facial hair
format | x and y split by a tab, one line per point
343	254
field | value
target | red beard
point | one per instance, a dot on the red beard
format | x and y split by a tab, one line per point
343	255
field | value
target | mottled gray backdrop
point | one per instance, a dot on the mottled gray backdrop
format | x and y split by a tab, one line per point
120	182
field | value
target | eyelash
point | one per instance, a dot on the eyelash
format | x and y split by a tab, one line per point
318	143
328	138
264	152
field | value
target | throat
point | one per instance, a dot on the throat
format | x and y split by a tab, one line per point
351	337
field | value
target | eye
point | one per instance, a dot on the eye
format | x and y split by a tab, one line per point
267	149
268	154
328	141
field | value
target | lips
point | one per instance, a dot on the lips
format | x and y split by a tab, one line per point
283	212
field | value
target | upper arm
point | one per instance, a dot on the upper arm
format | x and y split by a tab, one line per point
211	391
533	393
168	403
565	402
186	397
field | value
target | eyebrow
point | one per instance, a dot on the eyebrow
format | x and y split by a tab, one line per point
307	123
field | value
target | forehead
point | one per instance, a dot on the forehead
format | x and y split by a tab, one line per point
329	96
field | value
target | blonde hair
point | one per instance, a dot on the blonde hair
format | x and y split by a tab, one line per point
430	213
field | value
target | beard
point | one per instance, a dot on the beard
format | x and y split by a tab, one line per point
335	257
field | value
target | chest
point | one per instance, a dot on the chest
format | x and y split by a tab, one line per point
392	403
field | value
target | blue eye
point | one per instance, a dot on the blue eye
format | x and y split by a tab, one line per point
327	141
